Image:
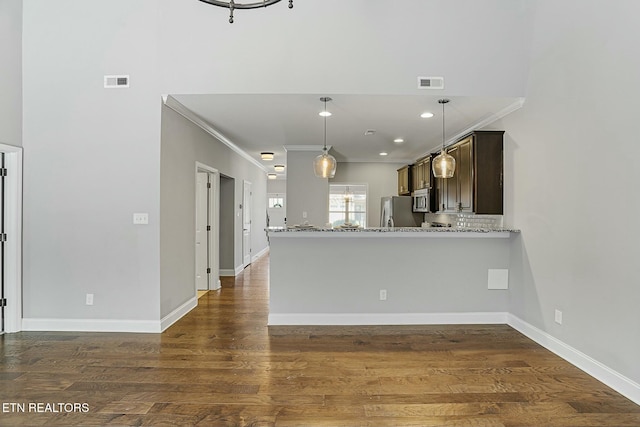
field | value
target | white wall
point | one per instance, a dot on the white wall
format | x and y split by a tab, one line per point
425	275
571	160
277	186
184	144
11	74
92	159
305	191
381	178
92	156
369	46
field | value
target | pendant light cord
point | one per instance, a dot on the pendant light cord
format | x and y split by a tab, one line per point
325	127
443	101
443	126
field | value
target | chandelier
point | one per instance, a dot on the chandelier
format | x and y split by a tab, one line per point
233	5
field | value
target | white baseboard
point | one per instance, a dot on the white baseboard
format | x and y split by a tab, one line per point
259	254
108	325
227	272
178	313
386	318
599	371
90	325
231	272
234	272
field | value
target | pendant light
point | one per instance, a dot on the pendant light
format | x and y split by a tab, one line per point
324	166
443	164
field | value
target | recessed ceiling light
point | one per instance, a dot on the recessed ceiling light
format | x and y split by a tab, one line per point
426	115
266	155
384	153
279	168
272	175
324	113
398	140
369	132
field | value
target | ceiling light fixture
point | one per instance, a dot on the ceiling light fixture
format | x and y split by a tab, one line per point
265	155
272	175
426	115
324	166
233	5
279	168
398	140
443	164
384	153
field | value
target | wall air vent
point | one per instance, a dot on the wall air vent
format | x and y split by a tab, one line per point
430	82
111	82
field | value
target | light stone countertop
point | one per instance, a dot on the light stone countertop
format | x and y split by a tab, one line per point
396	232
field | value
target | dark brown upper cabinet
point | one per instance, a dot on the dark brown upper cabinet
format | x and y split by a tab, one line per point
477	183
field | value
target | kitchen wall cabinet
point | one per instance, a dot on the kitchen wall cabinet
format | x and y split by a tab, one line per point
404	181
421	174
477	183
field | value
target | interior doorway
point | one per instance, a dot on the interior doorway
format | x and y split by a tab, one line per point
11	238
207	229
227	226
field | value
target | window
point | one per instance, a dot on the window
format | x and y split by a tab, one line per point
348	204
276	202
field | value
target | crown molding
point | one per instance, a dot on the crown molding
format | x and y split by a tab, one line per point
481	123
179	108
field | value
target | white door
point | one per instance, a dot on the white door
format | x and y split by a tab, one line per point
202	232
246	223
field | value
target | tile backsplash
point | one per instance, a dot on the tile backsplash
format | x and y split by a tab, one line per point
466	220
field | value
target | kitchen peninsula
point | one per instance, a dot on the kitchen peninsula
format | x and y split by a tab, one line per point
389	276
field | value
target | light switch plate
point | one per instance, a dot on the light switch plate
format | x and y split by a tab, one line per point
141	218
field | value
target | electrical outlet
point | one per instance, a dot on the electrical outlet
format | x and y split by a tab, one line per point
558	317
383	294
89	300
141	218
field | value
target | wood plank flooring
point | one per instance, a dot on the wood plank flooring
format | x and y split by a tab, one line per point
222	366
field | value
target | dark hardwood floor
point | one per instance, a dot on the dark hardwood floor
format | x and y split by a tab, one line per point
221	366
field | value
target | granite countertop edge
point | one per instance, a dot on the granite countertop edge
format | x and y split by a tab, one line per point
395	230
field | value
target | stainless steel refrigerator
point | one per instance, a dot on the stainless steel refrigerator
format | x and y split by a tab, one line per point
396	211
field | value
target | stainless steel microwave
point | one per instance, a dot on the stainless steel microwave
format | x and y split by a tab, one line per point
421	200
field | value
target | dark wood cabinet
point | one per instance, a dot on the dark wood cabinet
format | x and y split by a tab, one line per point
477	182
421	174
404	181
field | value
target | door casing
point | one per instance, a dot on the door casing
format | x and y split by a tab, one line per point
214	234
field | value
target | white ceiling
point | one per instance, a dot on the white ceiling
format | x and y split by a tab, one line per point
261	122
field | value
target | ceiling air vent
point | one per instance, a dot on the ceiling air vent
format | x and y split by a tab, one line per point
111	82
430	82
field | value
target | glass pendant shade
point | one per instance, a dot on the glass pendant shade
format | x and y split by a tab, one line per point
443	165
324	166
